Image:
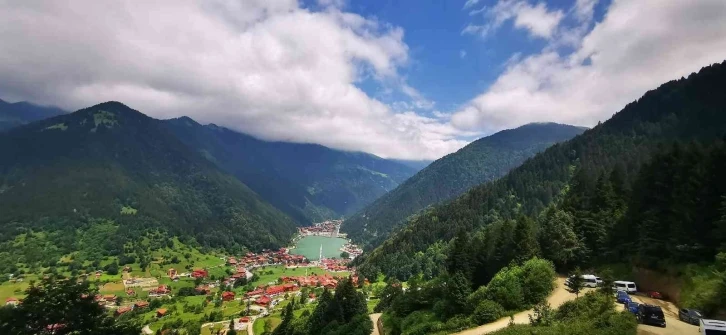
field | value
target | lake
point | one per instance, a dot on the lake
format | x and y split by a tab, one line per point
309	246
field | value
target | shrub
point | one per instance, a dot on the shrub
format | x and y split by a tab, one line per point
487	311
506	289
538	277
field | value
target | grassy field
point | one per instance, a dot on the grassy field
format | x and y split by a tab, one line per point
270	274
259	326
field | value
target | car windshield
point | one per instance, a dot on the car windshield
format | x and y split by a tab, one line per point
715	332
654	311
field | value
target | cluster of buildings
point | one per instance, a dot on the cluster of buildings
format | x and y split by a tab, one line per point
267	257
126	309
334	264
330	228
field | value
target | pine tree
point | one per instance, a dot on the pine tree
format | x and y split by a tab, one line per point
575	282
525	239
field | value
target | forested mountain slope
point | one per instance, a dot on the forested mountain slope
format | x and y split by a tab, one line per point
592	180
309	182
19	113
483	160
109	162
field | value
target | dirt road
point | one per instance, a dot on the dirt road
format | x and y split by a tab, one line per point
374	318
673	325
559	296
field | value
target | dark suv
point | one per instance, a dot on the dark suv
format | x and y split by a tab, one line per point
651	315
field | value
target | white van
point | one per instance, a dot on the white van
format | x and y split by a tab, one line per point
626	286
712	327
591	281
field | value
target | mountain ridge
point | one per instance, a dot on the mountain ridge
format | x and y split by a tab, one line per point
480	161
309	182
97	161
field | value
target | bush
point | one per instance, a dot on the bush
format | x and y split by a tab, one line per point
487	311
538	277
506	289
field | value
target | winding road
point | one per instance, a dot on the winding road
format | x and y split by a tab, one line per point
558	297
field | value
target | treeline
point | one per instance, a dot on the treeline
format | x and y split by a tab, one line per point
481	161
61	306
111	163
588	200
343	313
455	301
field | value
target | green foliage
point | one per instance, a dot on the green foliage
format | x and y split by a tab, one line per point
64	305
644	186
481	161
487	311
128	210
77	181
593	313
575	282
60	126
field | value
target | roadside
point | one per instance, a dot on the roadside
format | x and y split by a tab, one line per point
374	318
674	326
559	296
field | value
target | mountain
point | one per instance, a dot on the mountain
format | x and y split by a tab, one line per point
19	113
309	182
483	160
109	162
586	184
417	165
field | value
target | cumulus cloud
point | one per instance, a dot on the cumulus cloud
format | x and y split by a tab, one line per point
636	46
537	20
272	69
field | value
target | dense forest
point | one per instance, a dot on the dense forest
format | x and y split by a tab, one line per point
113	175
483	160
645	187
308	182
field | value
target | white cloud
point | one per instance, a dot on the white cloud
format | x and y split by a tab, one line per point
637	46
268	68
537	19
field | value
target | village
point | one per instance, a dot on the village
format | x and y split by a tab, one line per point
250	288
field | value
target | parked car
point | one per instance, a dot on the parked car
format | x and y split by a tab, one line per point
588	280
627	286
712	327
623	297
632	307
654	295
691	316
651	315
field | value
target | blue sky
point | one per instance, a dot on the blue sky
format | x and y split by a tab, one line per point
385	77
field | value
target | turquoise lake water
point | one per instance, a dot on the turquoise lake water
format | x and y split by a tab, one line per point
309	246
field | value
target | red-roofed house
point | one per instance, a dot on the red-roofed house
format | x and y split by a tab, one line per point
274	290
200	273
12	301
254	293
263	300
227	296
288	287
123	310
141	304
160	312
244	319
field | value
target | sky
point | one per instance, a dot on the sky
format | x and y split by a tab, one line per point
404	79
